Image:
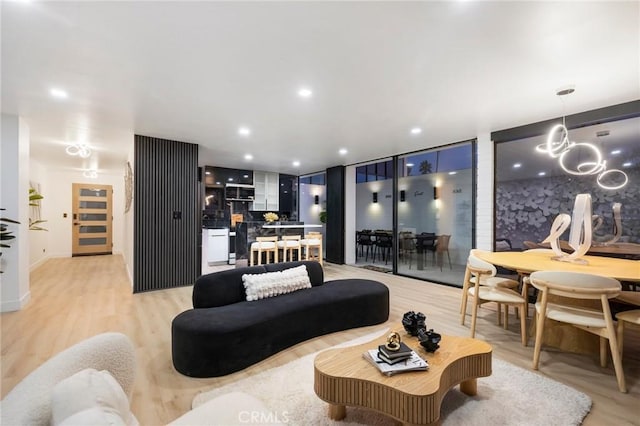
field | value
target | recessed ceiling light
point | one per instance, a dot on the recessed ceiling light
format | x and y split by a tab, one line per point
517	165
452	173
207	173
58	93
627	164
230	179
416	131
245	176
409	164
542	173
248	157
305	92
616	152
343	151
296	163
218	182
244	131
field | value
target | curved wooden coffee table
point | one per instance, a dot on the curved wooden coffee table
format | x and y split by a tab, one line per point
343	377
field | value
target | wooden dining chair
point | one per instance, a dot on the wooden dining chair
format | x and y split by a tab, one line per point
312	245
267	245
626	318
575	285
442	247
477	271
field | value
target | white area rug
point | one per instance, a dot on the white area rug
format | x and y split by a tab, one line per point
510	396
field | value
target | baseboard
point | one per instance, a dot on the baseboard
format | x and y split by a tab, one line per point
15	305
39	263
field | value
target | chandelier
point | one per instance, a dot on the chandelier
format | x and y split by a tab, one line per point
80	149
559	146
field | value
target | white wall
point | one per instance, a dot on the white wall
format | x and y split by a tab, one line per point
14	197
39	240
127	231
370	215
484	201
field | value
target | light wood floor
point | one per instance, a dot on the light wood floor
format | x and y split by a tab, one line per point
75	298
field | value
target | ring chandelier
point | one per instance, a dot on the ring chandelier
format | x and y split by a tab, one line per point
559	146
80	149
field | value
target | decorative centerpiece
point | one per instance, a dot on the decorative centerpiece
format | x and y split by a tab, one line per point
270	217
414	322
429	340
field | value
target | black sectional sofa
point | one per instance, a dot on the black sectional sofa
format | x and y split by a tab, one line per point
225	333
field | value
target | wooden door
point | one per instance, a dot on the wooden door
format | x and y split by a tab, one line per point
92	219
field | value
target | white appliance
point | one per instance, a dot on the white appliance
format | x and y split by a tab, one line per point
217	246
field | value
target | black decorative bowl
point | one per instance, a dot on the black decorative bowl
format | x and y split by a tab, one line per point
429	340
414	322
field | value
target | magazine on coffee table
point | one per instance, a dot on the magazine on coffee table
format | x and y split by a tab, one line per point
415	363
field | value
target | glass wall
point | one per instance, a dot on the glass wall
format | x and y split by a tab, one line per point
532	188
435	213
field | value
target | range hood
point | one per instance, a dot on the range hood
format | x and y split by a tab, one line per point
239	192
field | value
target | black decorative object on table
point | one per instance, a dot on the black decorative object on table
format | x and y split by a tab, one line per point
429	340
414	322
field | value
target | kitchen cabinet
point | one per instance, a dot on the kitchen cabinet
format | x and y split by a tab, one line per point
217	246
267	191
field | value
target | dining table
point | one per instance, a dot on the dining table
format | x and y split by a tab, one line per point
560	335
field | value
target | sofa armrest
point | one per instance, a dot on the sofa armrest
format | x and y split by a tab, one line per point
29	403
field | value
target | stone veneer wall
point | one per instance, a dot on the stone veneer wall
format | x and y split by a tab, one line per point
525	209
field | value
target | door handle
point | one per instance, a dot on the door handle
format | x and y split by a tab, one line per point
76	223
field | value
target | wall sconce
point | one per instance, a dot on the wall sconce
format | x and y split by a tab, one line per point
316	199
436	193
402	195
375	197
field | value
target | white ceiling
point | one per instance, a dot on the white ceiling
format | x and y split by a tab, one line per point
196	71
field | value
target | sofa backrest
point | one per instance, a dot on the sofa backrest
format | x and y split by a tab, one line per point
226	287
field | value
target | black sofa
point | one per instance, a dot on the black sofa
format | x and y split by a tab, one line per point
224	333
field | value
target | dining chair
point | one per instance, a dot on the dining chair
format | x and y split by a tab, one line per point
267	245
426	243
365	240
312	245
383	245
407	244
478	270
288	244
576	285
626	318
490	280
442	246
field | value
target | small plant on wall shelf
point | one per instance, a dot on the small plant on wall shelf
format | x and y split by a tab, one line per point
34	202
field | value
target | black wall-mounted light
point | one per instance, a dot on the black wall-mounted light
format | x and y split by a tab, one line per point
402	195
316	199
436	193
375	197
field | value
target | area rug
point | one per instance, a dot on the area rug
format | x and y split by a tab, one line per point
376	268
510	396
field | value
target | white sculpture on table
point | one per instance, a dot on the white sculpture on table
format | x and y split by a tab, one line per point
579	235
617	226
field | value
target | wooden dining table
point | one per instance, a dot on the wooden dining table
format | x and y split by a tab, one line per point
560	335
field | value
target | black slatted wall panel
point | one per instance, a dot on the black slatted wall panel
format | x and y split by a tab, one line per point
166	214
335	214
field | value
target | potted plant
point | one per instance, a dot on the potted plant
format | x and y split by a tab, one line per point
34	201
5	233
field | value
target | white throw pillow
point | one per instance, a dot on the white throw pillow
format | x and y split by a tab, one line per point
270	284
88	390
96	416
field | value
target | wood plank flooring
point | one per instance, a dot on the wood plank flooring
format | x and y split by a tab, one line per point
75	298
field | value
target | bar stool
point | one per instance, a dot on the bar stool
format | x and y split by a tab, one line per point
312	244
288	244
264	245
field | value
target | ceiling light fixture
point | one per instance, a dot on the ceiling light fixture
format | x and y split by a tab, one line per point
559	146
296	163
627	164
453	173
416	131
305	92
91	174
58	93
244	131
409	164
343	151
542	173
248	157
517	165
79	149
616	152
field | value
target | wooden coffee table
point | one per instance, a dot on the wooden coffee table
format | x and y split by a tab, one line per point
343	377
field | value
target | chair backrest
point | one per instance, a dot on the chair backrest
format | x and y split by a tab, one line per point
310	236
575	285
443	243
406	240
266	242
476	264
290	237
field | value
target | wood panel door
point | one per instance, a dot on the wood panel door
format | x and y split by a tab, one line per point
92	219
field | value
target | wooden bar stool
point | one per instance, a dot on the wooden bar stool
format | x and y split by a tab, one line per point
312	244
288	245
264	245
